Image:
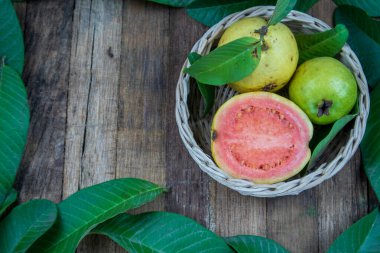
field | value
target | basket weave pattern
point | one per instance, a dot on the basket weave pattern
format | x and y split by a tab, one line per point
195	130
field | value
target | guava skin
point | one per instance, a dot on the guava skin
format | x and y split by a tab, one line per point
323	79
278	60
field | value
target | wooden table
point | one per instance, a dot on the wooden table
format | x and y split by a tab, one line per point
101	78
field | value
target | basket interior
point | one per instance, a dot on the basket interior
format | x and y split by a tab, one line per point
201	126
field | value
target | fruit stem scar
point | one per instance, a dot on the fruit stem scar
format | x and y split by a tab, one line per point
262	31
324	107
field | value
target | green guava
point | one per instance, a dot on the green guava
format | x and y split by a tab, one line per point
279	55
324	88
261	137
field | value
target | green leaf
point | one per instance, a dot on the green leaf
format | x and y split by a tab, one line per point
370	145
11	39
283	7
9	200
207	91
25	224
161	232
362	237
322	145
327	43
372	7
364	39
174	3
210	12
251	243
228	63
82	211
14	123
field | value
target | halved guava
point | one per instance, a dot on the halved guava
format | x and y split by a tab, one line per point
261	137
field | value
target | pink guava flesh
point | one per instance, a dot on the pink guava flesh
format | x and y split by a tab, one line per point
262	137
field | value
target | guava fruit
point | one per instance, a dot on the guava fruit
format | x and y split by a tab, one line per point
261	137
279	54
324	88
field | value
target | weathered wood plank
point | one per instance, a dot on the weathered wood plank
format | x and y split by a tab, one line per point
48	42
189	186
91	137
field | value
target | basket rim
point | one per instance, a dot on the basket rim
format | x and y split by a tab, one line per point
295	186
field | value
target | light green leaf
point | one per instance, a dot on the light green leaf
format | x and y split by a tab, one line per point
25	224
161	232
174	3
228	63
207	91
372	7
362	237
82	211
370	145
327	43
14	123
210	12
364	39
11	39
252	243
9	199
283	7
323	144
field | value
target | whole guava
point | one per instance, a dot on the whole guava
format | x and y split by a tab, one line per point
324	88
279	55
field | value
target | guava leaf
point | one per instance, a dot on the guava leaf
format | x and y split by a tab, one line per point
370	145
322	145
82	211
9	200
11	41
283	7
14	123
174	3
25	224
372	7
207	91
161	232
362	237
228	63
251	243
364	39
210	12
327	43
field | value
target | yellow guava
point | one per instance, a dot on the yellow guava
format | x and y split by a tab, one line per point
279	55
324	88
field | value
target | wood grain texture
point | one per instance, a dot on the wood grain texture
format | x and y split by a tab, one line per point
101	77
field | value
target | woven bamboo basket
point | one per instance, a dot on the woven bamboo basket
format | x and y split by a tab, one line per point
195	130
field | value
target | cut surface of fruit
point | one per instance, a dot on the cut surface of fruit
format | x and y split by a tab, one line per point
261	137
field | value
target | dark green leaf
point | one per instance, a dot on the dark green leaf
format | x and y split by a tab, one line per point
372	7
362	237
251	243
82	211
283	7
327	43
9	199
14	122
370	145
364	39
11	40
323	144
174	3
210	12
161	232
228	63
25	224
207	91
